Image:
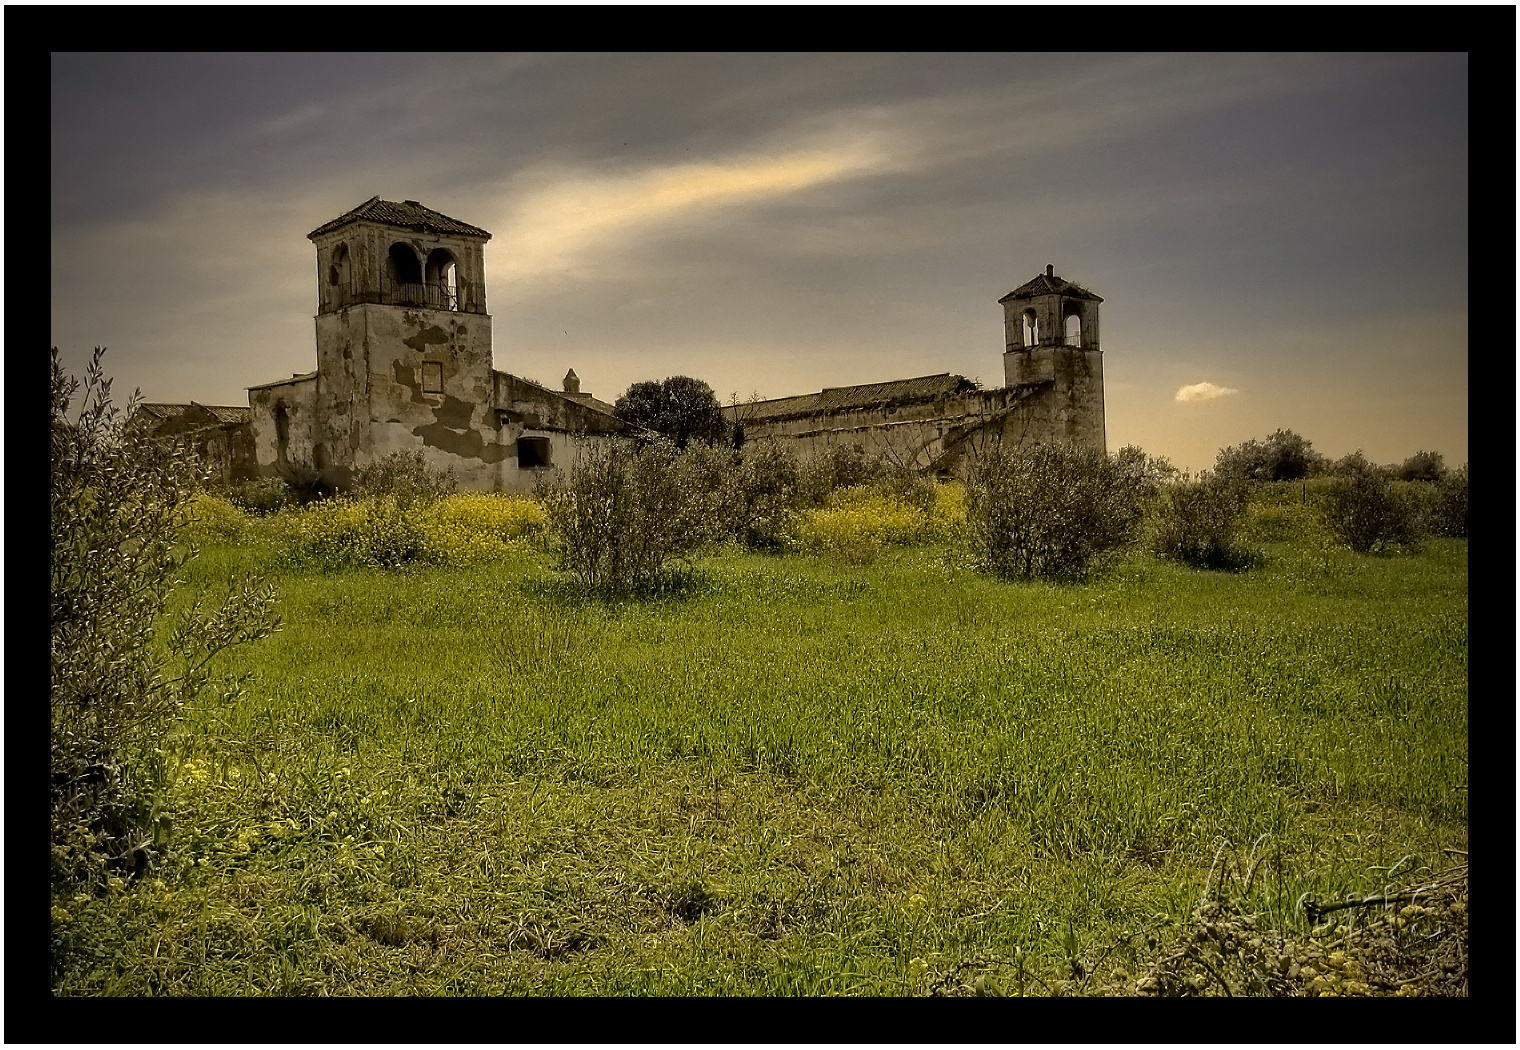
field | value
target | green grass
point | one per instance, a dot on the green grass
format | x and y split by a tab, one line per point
806	776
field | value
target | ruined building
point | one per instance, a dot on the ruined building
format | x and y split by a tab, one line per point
404	363
1053	390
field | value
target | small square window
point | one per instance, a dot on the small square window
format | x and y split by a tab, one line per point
532	452
432	377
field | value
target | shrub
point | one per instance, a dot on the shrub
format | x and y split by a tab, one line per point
1199	522
119	506
1051	510
1366	512
837	467
759	494
624	515
1448	510
377	532
479	525
405	476
1422	466
213	515
262	495
1283	456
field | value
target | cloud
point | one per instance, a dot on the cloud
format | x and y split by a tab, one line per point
571	214
1204	392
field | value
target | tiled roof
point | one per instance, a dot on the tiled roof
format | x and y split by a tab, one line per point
406	214
281	382
867	395
160	412
1049	284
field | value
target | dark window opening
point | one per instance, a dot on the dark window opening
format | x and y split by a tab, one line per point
532	452
432	377
404	267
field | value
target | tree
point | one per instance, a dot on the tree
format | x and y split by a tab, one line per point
680	408
118	501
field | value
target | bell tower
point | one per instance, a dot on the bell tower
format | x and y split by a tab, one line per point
1050	336
403	342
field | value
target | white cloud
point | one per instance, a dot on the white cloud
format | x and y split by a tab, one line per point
1204	392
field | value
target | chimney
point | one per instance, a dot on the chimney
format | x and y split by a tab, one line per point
1050	271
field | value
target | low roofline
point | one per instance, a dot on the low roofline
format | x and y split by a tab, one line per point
839	389
282	382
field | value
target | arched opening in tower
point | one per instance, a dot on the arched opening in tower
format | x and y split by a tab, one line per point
1031	328
404	274
443	279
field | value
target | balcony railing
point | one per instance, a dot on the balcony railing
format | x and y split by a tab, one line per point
396	293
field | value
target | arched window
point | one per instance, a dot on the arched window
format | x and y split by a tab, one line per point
337	273
1073	326
404	275
443	279
1031	328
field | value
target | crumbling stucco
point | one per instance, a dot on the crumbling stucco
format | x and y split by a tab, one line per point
401	292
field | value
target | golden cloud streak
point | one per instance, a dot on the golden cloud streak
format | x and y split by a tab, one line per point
553	226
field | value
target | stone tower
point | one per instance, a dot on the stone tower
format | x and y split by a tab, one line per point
403	343
1051	337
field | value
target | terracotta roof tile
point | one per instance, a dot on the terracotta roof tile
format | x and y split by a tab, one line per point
406	214
1049	284
867	395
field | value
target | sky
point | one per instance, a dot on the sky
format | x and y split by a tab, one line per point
1280	241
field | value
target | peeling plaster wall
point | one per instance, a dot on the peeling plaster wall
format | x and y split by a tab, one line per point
455	428
299	399
529	411
1071	409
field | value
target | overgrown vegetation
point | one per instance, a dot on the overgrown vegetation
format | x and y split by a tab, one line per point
625	516
1198	522
118	504
1366	511
854	764
1052	510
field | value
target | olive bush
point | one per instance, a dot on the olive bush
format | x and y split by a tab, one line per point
1282	456
1448	511
119	502
406	477
1198	522
1050	510
624	515
1365	510
759	494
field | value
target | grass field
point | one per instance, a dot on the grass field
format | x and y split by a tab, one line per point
809	774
